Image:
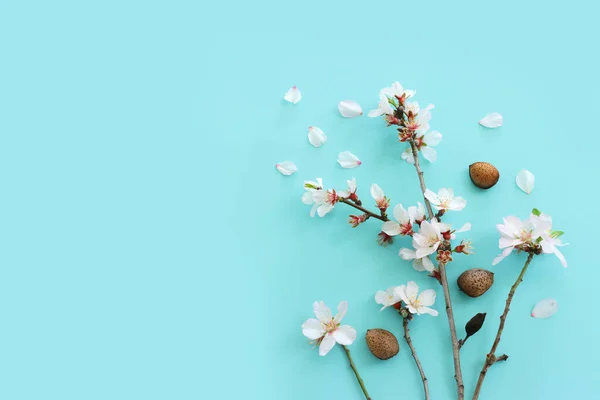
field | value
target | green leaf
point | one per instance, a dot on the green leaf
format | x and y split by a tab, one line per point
536	212
556	234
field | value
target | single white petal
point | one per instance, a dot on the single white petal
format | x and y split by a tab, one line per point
349	108
381	297
418	264
407	156
425	251
391	228
432	138
322	312
312	329
342	309
412	309
502	256
400	292
466	227
545	308
432	197
505	242
561	257
427	310
493	120
427	297
407	254
324	209
351	185
293	95
378	112
307	197
344	335
427	264
525	181
412	290
314	209
400	214
376	192
457	204
429	153
286	167
316	136
326	344
348	160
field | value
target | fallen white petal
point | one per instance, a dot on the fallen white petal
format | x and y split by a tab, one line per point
293	95
349	108
348	160
545	308
525	181
316	136
286	167
493	120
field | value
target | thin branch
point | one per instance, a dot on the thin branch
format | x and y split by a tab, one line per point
364	210
360	381
460	387
491	358
414	354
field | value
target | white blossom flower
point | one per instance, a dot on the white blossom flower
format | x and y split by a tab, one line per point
286	167
349	108
425	144
445	200
326	330
316	136
293	95
404	224
350	191
383	108
415	302
387	298
381	201
322	200
417	213
397	91
348	160
419	264
423	119
515	233
428	239
550	240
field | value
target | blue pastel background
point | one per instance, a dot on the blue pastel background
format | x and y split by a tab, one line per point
150	250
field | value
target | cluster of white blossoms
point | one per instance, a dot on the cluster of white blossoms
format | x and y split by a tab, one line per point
534	235
412	121
409	295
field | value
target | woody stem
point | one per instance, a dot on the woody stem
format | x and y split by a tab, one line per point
364	210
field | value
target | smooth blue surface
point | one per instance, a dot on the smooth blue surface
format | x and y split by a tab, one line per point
151	251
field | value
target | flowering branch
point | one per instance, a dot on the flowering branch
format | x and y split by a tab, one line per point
491	358
364	210
414	354
360	381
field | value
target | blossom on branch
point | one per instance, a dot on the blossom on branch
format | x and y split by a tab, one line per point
424	143
415	302
419	264
404	224
322	201
428	239
387	298
326	330
381	201
350	192
445	200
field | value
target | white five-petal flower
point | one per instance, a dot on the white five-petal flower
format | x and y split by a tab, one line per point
286	167
348	160
403	224
415	302
419	264
445	200
425	143
397	90
326	330
322	201
293	95
349	108
316	137
514	233
387	298
428	239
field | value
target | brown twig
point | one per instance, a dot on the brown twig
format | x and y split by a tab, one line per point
460	387
360	381
491	358
414	354
364	210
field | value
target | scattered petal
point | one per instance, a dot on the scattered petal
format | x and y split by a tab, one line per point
545	308
293	95
525	181
348	160
493	120
286	167
349	109
316	137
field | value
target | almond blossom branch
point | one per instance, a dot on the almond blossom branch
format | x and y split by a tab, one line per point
364	210
414	354
491	358
444	282
360	381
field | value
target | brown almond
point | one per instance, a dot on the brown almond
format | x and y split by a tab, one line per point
383	344
475	282
484	175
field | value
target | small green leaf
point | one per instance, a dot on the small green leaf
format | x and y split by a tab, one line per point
536	212
556	234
